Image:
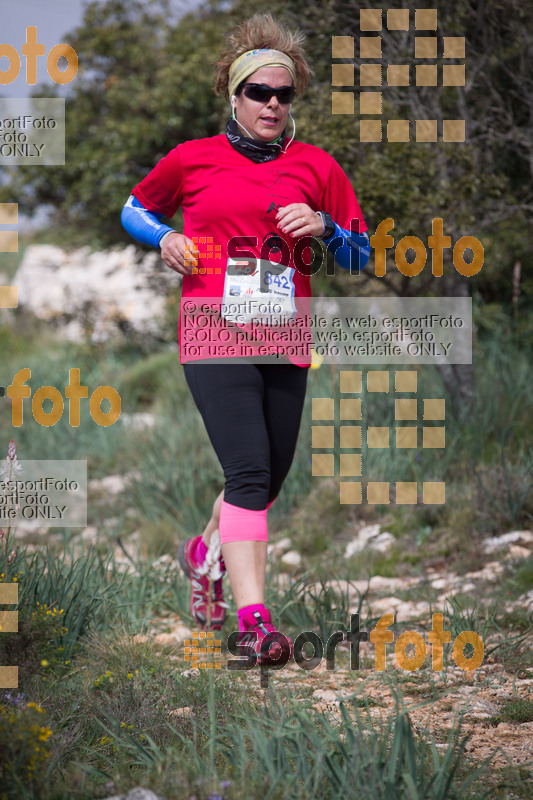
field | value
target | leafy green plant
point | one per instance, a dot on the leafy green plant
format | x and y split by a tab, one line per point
25	739
518	711
467	615
79	587
299	753
38	643
322	607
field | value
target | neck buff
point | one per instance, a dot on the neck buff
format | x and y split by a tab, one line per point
253	149
249	62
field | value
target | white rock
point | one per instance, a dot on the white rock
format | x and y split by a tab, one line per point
464	586
443	583
384	605
380	584
326	695
326	306
369	532
376	584
361	540
25	529
412	609
497	542
138	421
184	712
292	558
97	291
517	552
116	797
111	484
482	708
353	547
526	600
278	547
383	542
402	609
176	635
489	572
137	794
89	534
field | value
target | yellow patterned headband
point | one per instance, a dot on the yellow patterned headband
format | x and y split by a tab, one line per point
249	62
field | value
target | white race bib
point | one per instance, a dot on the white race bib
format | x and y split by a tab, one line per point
256	290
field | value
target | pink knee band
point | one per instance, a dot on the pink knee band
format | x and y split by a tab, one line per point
242	525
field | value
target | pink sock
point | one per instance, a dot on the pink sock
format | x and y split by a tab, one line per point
245	610
200	551
242	525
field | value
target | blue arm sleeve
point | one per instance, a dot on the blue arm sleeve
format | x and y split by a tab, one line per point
350	250
143	225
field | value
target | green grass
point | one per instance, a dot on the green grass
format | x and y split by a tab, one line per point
107	696
523	578
109	708
275	748
517	711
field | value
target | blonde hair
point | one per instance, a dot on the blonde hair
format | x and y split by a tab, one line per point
262	32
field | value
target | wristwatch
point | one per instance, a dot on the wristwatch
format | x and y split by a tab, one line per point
329	225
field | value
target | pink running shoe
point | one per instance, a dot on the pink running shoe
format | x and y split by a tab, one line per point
200	596
262	638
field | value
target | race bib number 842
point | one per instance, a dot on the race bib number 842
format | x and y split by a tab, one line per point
258	289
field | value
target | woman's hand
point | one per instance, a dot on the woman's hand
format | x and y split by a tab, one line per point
179	253
299	220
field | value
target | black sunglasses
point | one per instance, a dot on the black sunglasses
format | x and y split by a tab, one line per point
262	93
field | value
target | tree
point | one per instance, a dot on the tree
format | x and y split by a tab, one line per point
141	89
482	187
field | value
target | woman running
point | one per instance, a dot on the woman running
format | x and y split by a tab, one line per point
241	191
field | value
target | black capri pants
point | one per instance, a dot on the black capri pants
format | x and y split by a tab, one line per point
252	414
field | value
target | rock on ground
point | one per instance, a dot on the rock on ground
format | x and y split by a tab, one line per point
371	538
96	294
506	539
137	794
